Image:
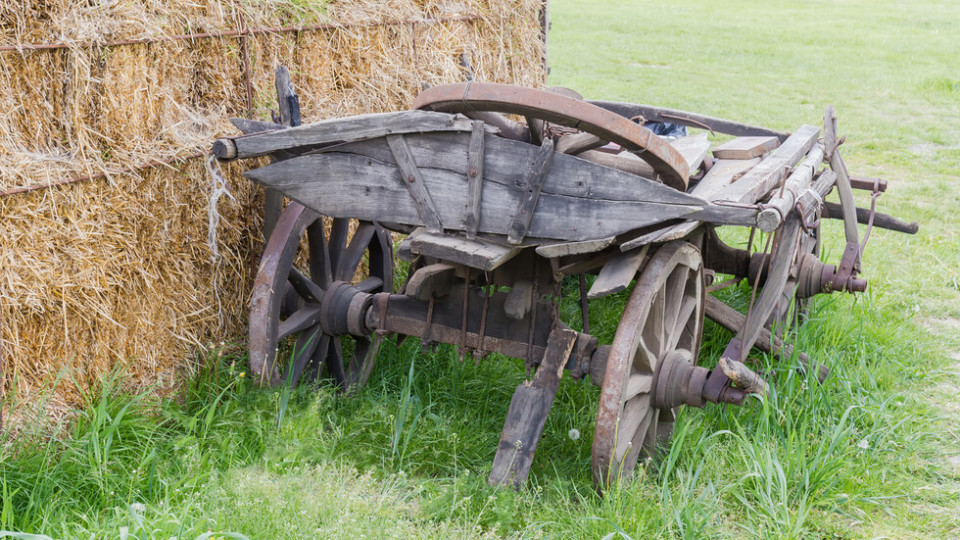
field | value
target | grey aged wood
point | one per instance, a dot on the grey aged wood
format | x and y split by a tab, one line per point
577	202
745	147
413	180
618	272
474	253
844	189
519	300
723	172
776	209
565	249
761	179
528	411
431	281
247	126
340	130
767	342
532	185
693	148
777	275
471	218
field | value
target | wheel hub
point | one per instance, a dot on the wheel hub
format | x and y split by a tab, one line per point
343	310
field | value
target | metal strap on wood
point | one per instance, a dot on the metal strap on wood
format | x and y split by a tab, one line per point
412	179
532	184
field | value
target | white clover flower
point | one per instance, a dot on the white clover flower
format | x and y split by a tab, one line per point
863	444
138	508
574	434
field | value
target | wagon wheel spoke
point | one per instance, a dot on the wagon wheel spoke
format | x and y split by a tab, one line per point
676	288
302	319
636	413
636	384
686	311
650	435
370	284
350	259
305	287
335	363
304	350
338	241
320	269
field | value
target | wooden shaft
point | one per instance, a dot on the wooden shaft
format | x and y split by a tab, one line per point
781	204
844	189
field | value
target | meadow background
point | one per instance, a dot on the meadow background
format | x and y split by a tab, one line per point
873	452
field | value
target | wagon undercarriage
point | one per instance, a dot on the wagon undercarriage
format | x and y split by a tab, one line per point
500	212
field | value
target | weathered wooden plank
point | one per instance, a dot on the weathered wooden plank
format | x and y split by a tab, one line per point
565	249
689	119
473	253
777	208
528	411
617	274
471	218
719	176
413	181
431	281
519	300
578	202
746	147
761	179
340	130
247	126
844	189
533	179
723	173
693	148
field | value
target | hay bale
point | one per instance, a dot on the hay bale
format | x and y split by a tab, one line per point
118	271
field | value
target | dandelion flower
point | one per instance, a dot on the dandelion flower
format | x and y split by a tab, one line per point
243	374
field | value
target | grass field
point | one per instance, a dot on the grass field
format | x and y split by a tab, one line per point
873	452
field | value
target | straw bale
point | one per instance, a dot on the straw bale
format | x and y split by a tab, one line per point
118	272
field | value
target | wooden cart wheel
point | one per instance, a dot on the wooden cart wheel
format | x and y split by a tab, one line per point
660	328
289	291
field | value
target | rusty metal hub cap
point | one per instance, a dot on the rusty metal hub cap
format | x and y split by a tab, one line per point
311	291
659	331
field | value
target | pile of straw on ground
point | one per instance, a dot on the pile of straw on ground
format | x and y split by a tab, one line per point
120	269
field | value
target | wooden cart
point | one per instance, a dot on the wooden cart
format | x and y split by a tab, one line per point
498	212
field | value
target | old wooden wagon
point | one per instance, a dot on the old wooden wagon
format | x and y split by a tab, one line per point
498	212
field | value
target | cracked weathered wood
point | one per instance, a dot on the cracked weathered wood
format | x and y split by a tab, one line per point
532	185
617	273
528	411
746	147
768	174
412	179
340	130
474	253
578	201
471	218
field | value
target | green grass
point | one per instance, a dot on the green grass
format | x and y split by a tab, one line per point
863	455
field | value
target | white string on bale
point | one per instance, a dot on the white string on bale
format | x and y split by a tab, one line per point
218	188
